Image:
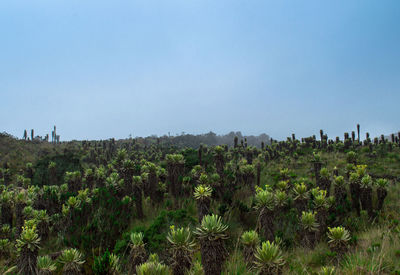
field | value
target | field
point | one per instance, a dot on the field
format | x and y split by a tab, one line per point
137	206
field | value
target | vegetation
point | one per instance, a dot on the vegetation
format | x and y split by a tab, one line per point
148	206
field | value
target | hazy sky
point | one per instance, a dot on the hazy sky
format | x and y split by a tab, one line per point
100	69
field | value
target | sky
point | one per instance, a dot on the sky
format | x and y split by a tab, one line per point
100	69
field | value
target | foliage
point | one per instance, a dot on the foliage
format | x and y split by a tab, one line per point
202	192
212	228
46	264
268	258
71	260
29	238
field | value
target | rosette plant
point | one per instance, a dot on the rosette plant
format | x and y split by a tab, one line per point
265	203
20	201
382	185
301	196
5	248
269	259
310	227
137	254
340	190
325	180
175	168
366	194
250	241
182	249
71	261
212	234
355	191
338	239
248	176
281	198
28	247
43	221
45	265
219	160
202	194
321	206
282	185
6	202
153	267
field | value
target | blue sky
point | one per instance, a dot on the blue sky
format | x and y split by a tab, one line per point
101	69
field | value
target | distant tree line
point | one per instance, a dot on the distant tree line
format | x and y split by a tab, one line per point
210	139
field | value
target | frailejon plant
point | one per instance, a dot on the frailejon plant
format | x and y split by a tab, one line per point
250	241
310	227
350	168
137	186
382	185
265	203
301	196
269	259
21	200
89	178
355	191
196	172
212	234
152	181
5	231
202	194
137	254
114	263
361	170
284	174
28	248
282	185
366	194
71	261
45	265
114	182
219	160
281	199
5	247
182	249
153	267
325	180
43	221
247	173
317	167
74	181
351	157
175	167
6	199
321	206
340	190
217	185
338	239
